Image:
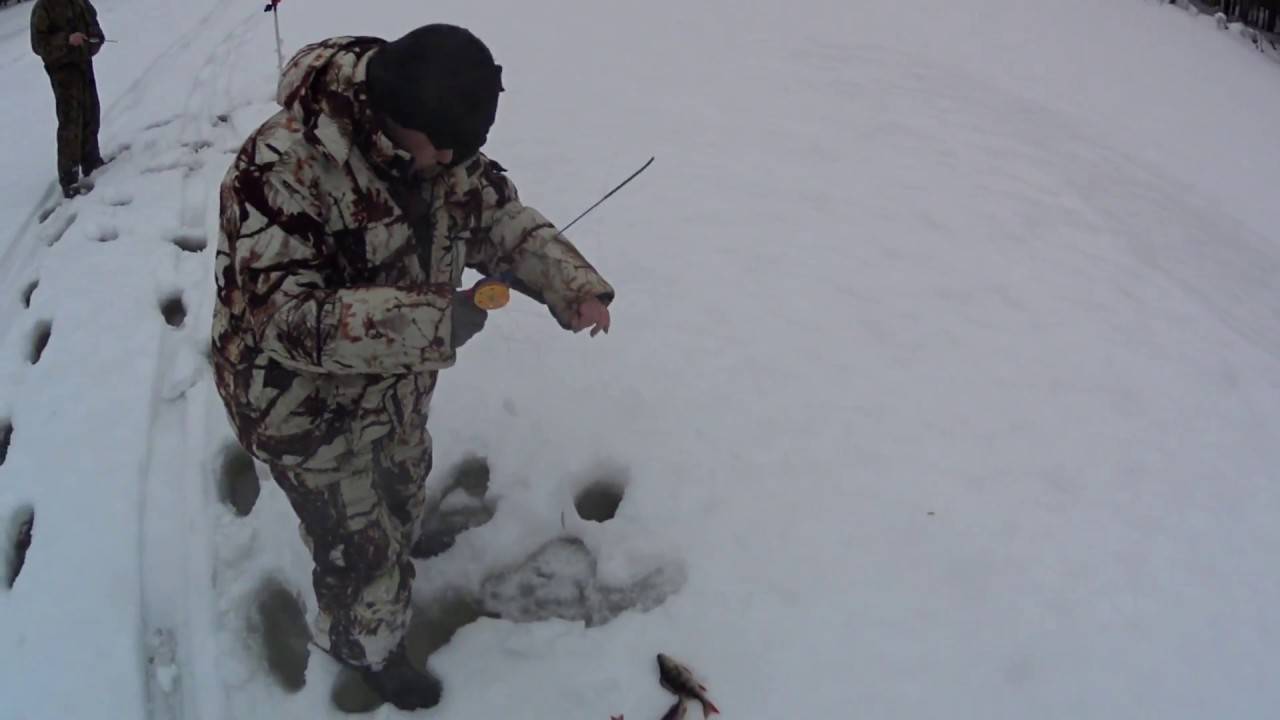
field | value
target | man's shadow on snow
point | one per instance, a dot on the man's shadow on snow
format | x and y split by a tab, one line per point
557	580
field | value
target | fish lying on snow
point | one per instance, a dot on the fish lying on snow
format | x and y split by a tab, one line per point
680	680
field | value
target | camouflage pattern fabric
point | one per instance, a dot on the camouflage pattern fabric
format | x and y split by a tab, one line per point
335	272
359	523
70	70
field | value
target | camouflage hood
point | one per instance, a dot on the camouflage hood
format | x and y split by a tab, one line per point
323	87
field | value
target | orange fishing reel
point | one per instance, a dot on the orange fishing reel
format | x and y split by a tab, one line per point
490	294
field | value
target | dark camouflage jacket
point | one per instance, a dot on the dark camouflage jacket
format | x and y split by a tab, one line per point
336	268
52	24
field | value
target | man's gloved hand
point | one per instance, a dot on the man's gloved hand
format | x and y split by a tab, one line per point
468	319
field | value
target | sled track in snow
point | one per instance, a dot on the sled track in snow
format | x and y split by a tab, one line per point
176	571
173	565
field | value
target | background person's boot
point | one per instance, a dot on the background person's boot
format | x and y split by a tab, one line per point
69	180
90	166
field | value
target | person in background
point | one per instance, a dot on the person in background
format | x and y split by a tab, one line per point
66	35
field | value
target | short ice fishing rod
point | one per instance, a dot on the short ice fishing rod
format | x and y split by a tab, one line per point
493	293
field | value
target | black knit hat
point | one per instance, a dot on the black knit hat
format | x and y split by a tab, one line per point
440	80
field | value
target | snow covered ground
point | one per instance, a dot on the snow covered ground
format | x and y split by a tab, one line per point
944	378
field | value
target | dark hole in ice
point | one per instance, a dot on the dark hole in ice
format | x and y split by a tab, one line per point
600	499
109	236
24	523
238	486
284	635
472	476
463	506
40	340
433	625
28	292
175	313
440	528
6	432
191	243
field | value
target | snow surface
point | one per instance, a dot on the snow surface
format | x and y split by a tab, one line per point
943	381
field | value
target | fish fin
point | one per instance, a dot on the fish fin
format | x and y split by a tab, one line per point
673	712
709	708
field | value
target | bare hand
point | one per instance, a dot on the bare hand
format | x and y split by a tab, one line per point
77	39
591	314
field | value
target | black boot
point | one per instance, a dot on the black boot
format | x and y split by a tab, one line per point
403	685
68	180
90	166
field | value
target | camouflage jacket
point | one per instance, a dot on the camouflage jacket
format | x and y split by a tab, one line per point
52	24
336	266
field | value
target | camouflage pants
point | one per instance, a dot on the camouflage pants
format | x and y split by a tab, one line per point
75	93
359	524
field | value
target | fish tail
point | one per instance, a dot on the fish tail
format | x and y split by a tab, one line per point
708	708
673	712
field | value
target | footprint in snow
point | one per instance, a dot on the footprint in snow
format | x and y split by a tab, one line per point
463	505
279	621
190	243
6	434
238	485
40	340
18	542
173	310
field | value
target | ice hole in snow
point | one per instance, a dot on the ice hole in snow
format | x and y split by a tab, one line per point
190	243
23	525
28	292
173	310
238	480
431	627
600	498
471	476
40	340
284	633
462	506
